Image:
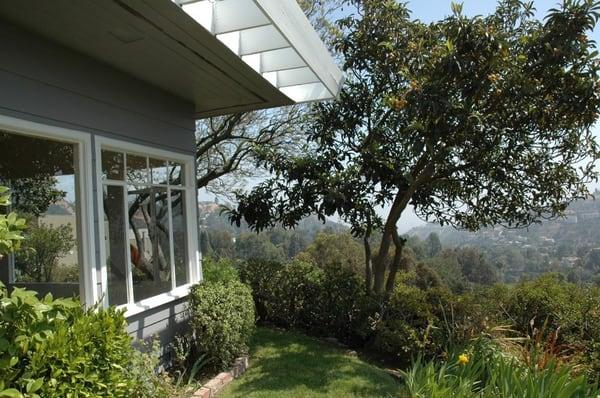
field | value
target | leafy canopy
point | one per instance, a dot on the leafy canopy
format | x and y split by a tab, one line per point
474	121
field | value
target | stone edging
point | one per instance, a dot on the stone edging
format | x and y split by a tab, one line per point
217	383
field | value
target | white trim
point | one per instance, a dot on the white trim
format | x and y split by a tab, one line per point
189	189
88	278
156	301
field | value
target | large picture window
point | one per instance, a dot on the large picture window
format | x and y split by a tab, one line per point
43	176
145	225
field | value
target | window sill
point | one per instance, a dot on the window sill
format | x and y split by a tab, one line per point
156	301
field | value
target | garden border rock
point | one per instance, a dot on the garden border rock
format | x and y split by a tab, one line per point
212	388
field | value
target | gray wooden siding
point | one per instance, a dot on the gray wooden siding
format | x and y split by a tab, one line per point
40	80
45	83
163	322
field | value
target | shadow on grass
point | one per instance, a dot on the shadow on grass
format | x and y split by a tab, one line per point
285	364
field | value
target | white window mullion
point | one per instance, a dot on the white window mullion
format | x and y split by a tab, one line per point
129	273
171	240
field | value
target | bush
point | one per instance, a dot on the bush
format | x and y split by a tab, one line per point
222	320
547	300
53	348
324	302
221	270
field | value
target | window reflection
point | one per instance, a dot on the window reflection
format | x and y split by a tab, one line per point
151	256
115	244
113	165
137	169
179	237
159	171
43	179
149	242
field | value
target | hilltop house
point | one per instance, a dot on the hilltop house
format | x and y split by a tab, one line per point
98	103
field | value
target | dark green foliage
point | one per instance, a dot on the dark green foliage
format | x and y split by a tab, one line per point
53	348
34	195
323	301
548	300
426	277
222	320
335	248
221	270
251	246
422	316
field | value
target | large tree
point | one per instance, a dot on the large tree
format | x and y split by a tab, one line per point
475	122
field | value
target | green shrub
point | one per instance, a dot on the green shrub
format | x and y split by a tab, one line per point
547	300
280	290
222	320
219	270
326	301
53	348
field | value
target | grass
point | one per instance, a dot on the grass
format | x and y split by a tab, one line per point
292	365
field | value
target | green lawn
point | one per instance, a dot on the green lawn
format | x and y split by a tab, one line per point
291	365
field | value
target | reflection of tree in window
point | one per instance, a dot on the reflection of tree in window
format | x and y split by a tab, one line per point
158	256
42	176
149	243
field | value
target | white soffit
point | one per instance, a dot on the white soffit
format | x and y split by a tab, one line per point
276	40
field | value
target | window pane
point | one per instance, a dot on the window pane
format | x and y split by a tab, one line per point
137	169
177	174
112	165
159	171
43	178
114	243
179	237
149	241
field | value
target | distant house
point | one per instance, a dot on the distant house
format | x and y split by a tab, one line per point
98	99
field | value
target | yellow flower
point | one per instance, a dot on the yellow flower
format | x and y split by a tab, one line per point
397	104
463	359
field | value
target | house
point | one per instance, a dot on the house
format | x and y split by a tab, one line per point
98	103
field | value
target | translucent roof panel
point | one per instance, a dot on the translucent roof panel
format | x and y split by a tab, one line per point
276	40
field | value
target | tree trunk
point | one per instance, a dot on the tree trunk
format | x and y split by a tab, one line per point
368	270
390	230
399	243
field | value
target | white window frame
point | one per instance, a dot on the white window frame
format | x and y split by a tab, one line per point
188	187
88	292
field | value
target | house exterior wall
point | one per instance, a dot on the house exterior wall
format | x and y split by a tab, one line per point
46	83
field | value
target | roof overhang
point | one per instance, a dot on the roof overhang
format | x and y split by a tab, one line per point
275	38
278	59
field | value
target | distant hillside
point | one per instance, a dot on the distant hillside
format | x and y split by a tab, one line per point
561	245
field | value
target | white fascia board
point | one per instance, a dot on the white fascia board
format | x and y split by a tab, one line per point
287	16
